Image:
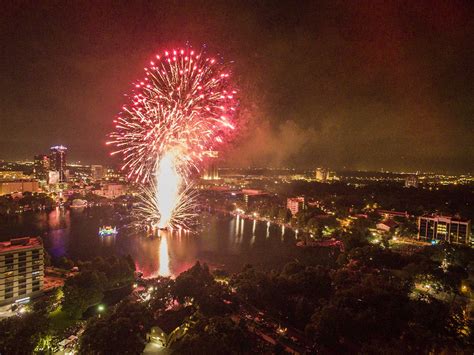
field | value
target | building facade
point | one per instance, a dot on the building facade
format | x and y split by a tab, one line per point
21	269
444	228
210	171
295	204
320	174
411	181
324	175
42	166
11	187
111	190
58	161
97	172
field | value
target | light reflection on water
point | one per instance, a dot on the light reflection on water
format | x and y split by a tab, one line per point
164	259
223	241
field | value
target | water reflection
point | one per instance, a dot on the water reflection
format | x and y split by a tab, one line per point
222	241
59	224
253	231
164	259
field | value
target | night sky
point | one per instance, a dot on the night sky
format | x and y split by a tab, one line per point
354	84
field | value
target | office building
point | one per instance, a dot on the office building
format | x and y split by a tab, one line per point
324	175
114	175
41	167
111	190
295	204
411	181
53	177
444	228
21	270
58	161
210	171
19	186
321	174
97	172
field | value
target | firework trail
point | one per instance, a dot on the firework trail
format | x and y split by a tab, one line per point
180	215
183	107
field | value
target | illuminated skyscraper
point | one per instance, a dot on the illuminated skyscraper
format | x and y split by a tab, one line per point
58	161
42	166
210	169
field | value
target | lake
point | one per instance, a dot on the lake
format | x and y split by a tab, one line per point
226	242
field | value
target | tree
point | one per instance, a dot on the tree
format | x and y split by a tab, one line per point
198	284
355	238
82	291
371	309
123	331
20	334
216	335
192	282
65	263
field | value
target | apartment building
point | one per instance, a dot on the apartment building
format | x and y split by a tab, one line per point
21	269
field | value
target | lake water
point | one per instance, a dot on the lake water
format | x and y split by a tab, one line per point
222	241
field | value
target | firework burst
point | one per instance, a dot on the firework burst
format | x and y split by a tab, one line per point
183	107
185	102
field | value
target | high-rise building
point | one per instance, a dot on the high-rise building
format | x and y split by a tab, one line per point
411	181
58	161
210	169
53	177
21	269
324	175
321	174
444	228
41	167
295	204
97	172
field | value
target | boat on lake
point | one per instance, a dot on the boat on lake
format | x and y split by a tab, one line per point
106	231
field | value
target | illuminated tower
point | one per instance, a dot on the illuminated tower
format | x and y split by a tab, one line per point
210	171
58	161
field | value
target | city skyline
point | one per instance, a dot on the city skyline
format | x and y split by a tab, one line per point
321	84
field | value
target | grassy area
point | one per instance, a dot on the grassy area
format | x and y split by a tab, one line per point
60	320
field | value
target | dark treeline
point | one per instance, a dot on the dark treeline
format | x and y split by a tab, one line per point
451	199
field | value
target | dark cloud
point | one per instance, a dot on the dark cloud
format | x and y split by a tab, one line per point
362	84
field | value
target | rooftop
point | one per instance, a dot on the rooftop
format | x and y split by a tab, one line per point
20	243
447	218
390	223
170	320
58	147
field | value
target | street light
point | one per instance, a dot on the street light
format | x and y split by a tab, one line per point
100	308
